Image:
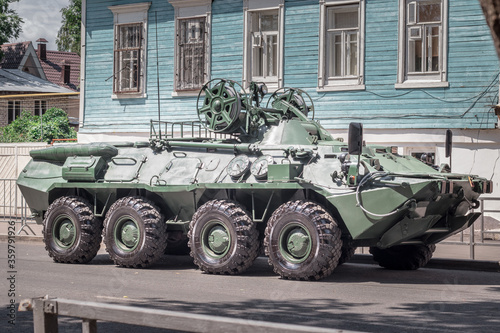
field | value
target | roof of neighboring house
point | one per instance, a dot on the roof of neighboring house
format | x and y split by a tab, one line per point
13	55
52	67
25	57
17	81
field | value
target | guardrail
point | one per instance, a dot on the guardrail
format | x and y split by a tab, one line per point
468	237
13	206
46	311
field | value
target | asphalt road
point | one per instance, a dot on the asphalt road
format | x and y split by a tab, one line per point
356	297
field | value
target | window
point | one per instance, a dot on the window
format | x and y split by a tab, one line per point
127	58
423	43
130	22
13	110
190	71
341	63
192	47
263	43
40	107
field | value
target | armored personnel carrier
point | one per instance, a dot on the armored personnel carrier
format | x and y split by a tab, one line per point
246	179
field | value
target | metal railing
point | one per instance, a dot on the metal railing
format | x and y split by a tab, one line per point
184	129
468	237
13	207
46	311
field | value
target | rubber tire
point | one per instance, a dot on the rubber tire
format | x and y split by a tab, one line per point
244	243
403	257
88	230
152	232
326	242
348	250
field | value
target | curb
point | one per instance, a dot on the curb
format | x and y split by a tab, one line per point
22	238
438	263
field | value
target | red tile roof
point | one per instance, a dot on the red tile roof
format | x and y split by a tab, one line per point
52	67
13	55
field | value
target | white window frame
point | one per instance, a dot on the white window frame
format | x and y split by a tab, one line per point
14	110
250	7
132	14
405	79
40	107
192	9
355	82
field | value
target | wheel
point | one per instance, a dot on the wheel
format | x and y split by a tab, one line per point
403	257
348	250
71	232
134	232
222	238
302	241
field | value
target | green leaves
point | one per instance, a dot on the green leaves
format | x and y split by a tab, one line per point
10	22
68	37
53	124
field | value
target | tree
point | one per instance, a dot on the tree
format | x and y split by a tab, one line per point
10	22
491	9
29	128
68	37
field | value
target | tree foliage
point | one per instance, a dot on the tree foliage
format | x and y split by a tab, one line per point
68	37
29	128
10	22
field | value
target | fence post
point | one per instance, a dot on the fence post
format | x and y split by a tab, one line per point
44	321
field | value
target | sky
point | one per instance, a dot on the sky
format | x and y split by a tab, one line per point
42	19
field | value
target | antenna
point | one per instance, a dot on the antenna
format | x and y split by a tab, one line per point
157	74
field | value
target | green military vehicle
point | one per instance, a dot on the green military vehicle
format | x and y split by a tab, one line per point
243	180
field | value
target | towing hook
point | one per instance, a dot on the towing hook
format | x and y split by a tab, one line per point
475	204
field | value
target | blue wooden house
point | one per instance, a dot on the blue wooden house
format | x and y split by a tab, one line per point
407	69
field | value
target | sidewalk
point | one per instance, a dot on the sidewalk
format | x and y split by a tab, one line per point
447	256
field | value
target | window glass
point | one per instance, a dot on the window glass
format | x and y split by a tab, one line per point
424	38
264	39
191	53
127	57
342	51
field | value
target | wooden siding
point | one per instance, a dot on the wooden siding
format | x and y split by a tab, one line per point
472	69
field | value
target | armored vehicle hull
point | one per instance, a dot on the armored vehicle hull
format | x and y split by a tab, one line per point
277	181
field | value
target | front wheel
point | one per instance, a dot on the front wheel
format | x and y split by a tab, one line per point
403	257
71	232
302	241
134	232
222	238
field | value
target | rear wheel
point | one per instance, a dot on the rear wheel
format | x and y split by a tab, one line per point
348	250
71	232
302	241
134	232
403	257
223	238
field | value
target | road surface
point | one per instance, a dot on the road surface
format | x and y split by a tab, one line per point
355	297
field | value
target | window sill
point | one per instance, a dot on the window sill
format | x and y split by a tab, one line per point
129	96
421	84
341	87
186	93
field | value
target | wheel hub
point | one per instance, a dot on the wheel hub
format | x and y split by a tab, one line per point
66	233
217	105
129	234
218	239
298	243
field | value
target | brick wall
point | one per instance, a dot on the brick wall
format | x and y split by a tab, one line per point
70	104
